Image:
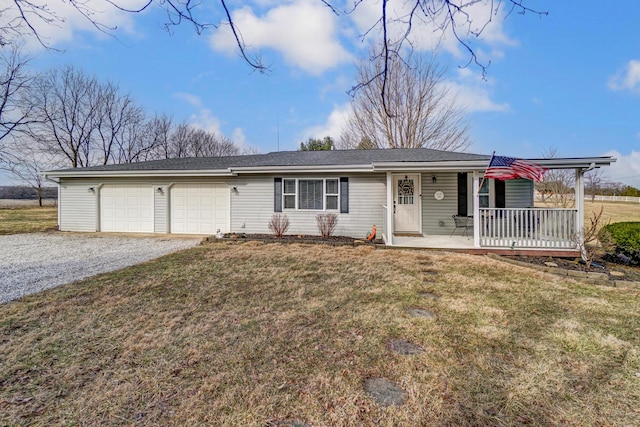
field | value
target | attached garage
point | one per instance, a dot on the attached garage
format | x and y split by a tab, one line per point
126	208
199	208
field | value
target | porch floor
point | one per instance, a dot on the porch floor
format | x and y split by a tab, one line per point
434	242
464	244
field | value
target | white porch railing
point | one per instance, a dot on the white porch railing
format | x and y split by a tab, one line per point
528	228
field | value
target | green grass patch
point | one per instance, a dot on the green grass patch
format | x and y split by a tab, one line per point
28	220
259	334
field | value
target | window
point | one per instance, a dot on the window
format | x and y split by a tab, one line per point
311	194
331	194
289	194
483	194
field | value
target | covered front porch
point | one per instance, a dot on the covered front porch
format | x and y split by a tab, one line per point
445	209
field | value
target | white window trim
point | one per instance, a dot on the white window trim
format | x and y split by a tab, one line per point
324	194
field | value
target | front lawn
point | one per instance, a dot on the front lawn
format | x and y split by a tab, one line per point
267	334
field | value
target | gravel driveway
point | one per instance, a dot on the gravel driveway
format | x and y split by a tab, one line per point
33	262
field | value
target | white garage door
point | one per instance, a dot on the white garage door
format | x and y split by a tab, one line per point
199	208
126	208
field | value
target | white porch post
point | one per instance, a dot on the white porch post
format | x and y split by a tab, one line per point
389	217
476	209
579	195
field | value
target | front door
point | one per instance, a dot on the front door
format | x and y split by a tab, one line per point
406	203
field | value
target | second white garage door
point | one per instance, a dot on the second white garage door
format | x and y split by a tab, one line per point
199	208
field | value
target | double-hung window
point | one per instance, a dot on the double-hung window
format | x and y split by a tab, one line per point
311	194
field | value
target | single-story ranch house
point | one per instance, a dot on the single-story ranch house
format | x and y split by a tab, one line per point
415	197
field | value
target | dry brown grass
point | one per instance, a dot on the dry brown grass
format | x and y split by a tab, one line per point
612	211
28	220
255	334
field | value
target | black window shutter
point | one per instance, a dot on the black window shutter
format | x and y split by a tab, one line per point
344	195
500	194
277	194
462	193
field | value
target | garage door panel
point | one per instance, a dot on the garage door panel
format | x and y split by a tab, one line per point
126	208
199	208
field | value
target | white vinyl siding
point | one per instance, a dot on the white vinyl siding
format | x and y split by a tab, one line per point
126	208
437	214
77	205
160	200
252	206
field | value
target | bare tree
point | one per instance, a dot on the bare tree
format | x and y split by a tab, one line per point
67	104
557	188
117	117
15	82
418	108
189	141
394	25
26	163
593	182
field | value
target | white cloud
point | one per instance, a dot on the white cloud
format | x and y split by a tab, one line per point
204	119
70	21
626	169
473	93
190	99
628	78
333	127
303	31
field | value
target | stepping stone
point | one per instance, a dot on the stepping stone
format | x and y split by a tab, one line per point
404	347
384	392
422	312
429	295
616	273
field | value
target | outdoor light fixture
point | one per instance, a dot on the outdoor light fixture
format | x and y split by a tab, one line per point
235	190
92	189
159	190
434	179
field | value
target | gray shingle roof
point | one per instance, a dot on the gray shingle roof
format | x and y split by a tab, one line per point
294	158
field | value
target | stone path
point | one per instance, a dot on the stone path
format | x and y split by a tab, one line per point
382	390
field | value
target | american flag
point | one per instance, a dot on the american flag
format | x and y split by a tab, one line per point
502	168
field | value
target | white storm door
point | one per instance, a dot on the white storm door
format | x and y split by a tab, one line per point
406	201
126	208
199	208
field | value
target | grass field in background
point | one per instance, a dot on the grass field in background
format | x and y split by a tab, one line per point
28	220
258	334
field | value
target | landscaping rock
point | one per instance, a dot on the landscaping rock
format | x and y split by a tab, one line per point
550	264
358	242
384	392
404	347
421	312
616	273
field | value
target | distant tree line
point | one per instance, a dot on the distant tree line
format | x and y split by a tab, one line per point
26	193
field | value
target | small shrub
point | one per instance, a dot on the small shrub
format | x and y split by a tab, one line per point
622	238
327	224
585	238
279	224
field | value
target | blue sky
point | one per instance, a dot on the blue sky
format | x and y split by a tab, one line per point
568	81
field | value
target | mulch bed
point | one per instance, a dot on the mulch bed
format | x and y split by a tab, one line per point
299	238
601	264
